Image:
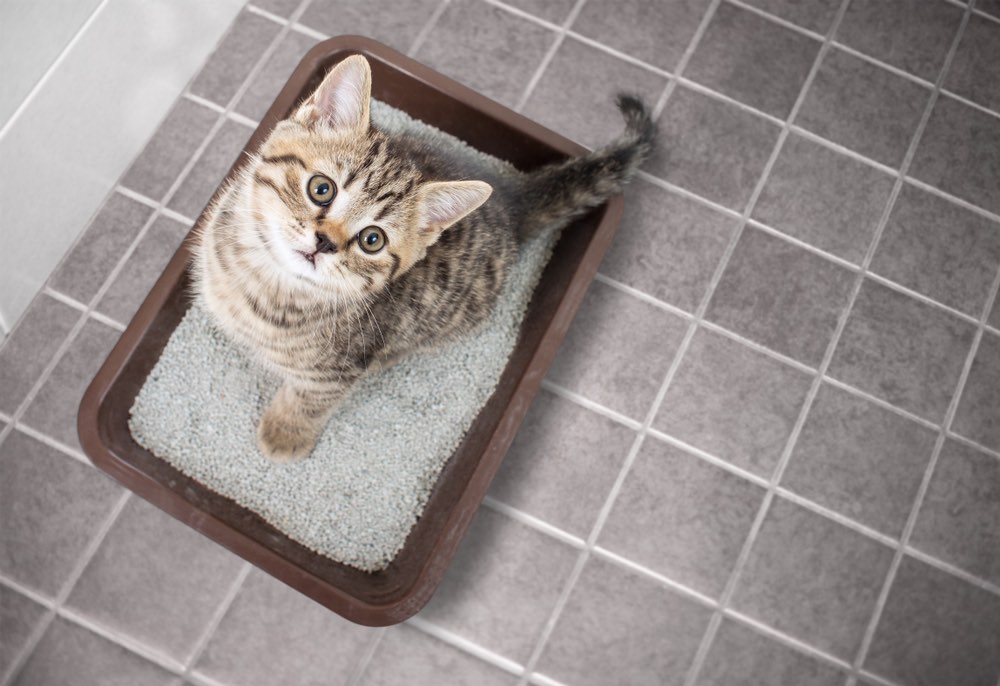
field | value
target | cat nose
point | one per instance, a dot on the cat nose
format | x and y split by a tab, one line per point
324	244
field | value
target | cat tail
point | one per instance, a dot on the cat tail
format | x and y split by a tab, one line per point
556	194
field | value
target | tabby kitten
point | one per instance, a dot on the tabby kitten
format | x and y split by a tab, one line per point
340	249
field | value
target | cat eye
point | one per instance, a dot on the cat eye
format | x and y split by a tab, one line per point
321	190
371	239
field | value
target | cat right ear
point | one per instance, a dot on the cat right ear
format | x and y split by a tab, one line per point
342	101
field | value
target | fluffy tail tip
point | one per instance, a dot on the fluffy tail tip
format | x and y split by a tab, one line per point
638	120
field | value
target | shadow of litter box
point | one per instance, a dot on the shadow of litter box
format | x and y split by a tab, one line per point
400	590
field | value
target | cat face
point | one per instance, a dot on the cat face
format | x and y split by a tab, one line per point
334	209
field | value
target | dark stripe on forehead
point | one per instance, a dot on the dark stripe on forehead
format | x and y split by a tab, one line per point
285	159
395	265
264	181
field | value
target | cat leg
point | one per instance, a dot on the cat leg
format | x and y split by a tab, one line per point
294	419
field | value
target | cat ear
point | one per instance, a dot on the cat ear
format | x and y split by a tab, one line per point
442	203
341	102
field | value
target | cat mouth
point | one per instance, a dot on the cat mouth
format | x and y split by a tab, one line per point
309	257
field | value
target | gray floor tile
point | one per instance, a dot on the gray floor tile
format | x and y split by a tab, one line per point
272	634
660	521
555	11
815	15
488	49
913	35
54	409
576	94
394	23
52	506
712	148
742	656
622	628
978	415
618	350
960	153
753	60
228	67
408	656
812	578
142	269
70	654
994	318
940	249
959	520
268	82
824	198
972	73
170	148
562	464
655	32
902	350
82	273
156	580
30	347
668	246
733	402
502	585
781	296
860	460
200	183
863	107
19	617
936	629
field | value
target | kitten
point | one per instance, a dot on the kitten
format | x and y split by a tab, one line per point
340	249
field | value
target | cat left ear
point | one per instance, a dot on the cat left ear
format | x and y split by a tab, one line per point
342	101
442	203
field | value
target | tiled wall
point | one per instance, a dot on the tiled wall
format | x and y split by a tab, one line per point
84	86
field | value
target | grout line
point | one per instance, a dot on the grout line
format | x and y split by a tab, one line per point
706	19
875	62
542	680
534	522
593	405
833	515
465	645
722	97
261	12
58	446
561	32
952	570
982	14
884	404
981	211
972	444
713	460
204	102
358	673
808	247
143	650
880	602
52	68
220	612
136	196
899	288
643	296
56	604
652	575
308	31
775	19
4	328
418	41
685	193
744	555
842	149
107	321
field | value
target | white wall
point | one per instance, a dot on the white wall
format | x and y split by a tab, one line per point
84	85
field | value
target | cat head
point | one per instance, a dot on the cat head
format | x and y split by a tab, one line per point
335	209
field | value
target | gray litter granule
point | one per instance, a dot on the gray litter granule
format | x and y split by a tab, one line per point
357	496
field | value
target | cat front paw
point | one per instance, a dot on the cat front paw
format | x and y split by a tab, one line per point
285	439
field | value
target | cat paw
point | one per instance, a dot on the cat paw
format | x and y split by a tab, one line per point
284	440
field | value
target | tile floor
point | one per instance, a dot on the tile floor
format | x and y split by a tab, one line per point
768	453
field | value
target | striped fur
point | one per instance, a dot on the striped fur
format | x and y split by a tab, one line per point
288	277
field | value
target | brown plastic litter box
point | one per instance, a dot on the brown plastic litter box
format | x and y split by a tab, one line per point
399	591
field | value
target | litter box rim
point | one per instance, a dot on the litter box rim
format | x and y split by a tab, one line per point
396	593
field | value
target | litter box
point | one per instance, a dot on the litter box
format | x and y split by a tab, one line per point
395	593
